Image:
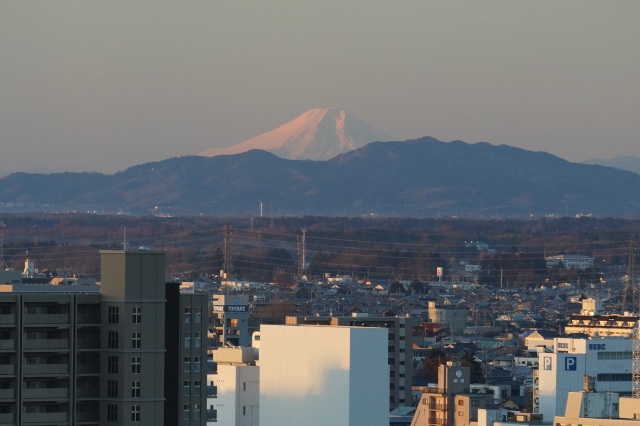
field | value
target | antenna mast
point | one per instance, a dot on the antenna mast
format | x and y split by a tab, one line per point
227	249
301	252
3	264
635	366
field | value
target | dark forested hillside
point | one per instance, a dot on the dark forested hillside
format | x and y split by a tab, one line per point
390	248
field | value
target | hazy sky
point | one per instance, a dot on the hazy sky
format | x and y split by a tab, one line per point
101	86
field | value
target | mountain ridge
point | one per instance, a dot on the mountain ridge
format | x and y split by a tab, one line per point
414	178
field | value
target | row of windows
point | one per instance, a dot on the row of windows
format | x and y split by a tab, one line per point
197	339
112	364
112	389
196	364
112	340
112	413
614	355
114	315
197	314
614	377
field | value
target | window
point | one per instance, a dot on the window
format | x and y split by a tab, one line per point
198	339
186	411
112	389
112	341
186	388
135	340
187	340
187	315
135	413
244	410
196	364
112	413
198	314
135	389
460	402
196	411
114	314
135	365
232	322
136	315
475	403
112	364
196	388
187	364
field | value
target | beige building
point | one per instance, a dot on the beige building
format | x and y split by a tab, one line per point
599	409
451	403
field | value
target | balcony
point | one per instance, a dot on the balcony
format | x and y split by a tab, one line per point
7	418
7	369
88	368
7	344
7	319
44	418
29	369
7	393
46	344
89	343
212	415
46	319
434	406
45	393
89	392
88	416
212	391
88	319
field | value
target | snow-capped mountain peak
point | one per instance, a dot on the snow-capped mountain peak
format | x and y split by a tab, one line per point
317	134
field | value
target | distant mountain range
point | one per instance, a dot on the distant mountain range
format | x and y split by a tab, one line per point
318	134
622	162
414	178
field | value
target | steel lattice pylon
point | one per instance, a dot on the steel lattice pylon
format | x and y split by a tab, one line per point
635	374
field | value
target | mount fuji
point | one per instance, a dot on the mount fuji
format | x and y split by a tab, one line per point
317	134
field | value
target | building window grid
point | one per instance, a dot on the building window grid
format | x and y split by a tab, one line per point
135	389
135	365
114	314
112	389
112	364
112	342
135	413
112	413
136	315
135	340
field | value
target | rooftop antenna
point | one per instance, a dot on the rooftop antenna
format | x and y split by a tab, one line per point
3	264
125	244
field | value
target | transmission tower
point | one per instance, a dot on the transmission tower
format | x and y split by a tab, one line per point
3	264
630	290
301	252
635	368
227	249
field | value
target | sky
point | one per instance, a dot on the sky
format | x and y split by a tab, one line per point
105	85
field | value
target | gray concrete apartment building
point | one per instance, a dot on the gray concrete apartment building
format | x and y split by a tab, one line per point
100	355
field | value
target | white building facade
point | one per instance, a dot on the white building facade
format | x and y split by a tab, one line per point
318	376
608	360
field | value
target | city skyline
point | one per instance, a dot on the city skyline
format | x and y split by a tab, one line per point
102	86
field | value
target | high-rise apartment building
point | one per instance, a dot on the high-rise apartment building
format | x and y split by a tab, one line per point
97	355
